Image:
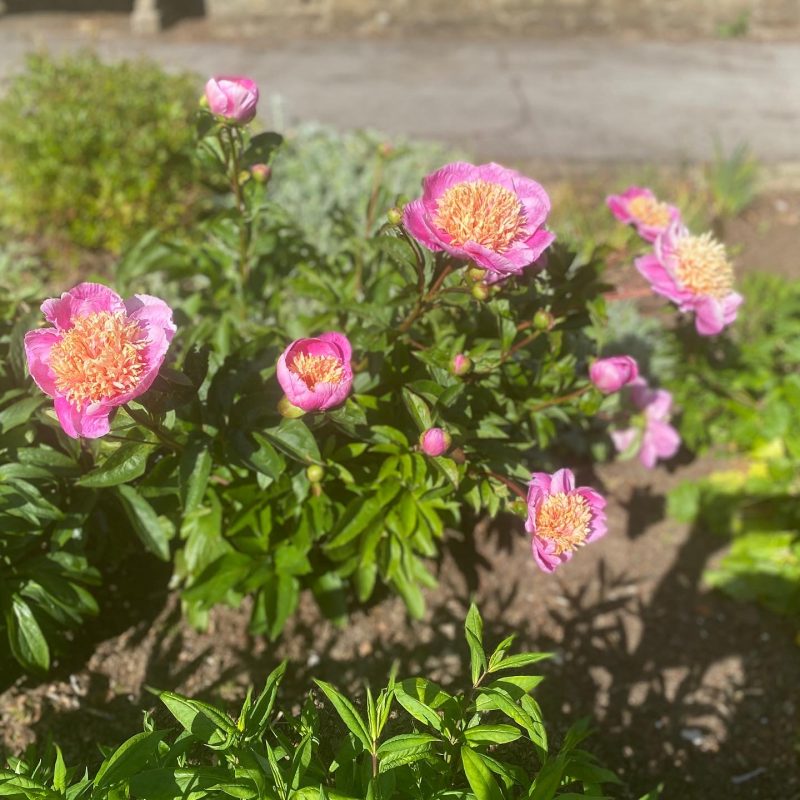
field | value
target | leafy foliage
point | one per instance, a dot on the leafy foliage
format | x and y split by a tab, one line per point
742	396
95	152
412	739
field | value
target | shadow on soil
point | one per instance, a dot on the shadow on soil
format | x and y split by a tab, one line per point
646	666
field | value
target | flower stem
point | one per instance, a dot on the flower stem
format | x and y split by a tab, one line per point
556	401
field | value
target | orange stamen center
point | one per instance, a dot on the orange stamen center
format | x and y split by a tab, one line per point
482	212
100	357
564	519
703	267
317	369
649	211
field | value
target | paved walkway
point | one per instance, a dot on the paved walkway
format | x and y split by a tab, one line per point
566	100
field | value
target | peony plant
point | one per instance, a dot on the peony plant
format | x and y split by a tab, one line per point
327	417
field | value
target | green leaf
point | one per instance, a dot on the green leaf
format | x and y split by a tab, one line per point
59	772
261	148
154	535
129	758
405	749
346	710
19	413
193	472
200	719
125	464
480	778
25	637
473	629
492	734
296	440
418	409
519	660
257	717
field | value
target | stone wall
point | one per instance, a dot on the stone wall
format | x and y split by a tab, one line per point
525	17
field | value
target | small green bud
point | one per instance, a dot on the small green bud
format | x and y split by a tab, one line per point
244	176
289	410
315	473
394	216
543	320
203	101
261	172
480	291
476	274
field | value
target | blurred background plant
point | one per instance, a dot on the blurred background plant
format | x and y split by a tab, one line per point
95	154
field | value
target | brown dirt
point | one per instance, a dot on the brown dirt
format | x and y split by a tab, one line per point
685	685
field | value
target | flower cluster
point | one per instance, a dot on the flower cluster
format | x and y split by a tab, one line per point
692	271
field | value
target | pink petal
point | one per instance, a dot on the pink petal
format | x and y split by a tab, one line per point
341	342
91	423
85	298
563	481
709	317
415	222
665	440
437	183
37	351
623	439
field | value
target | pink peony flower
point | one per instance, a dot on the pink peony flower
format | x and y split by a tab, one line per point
657	439
640	207
609	375
234	98
435	442
316	373
487	214
562	518
693	272
100	353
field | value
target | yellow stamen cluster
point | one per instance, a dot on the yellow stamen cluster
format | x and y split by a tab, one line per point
703	267
482	212
649	211
317	369
100	357
564	519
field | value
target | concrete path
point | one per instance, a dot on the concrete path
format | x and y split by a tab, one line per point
569	100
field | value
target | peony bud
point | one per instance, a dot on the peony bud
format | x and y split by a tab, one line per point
233	98
435	441
288	410
609	375
394	216
543	320
261	172
476	274
315	473
461	364
480	291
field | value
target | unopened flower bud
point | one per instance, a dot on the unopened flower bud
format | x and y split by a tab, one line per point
288	410
435	441
543	320
476	274
232	98
385	149
261	172
394	216
203	102
244	176
480	291
461	364
315	473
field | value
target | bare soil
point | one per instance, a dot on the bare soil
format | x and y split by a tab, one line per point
685	685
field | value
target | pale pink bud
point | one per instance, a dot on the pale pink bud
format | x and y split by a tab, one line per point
261	172
461	364
234	98
435	442
609	375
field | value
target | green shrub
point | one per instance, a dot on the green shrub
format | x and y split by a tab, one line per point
412	740
94	152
